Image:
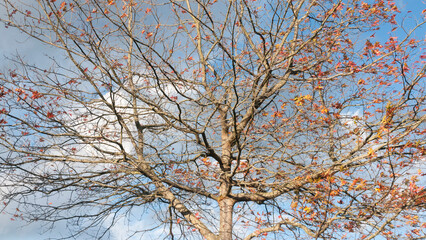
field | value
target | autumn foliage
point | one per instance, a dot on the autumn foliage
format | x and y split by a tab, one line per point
245	119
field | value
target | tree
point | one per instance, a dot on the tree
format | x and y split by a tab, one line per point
224	119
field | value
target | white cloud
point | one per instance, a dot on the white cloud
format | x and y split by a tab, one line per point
352	121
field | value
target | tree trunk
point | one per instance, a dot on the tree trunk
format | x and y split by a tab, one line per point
226	212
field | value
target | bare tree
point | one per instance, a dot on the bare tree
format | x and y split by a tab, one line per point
225	119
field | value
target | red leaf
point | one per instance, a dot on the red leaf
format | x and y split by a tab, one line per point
13	74
50	115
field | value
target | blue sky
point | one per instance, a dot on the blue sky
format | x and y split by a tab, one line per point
12	42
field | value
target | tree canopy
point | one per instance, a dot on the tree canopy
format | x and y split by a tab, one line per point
239	119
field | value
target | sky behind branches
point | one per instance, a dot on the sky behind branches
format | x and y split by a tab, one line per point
12	43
